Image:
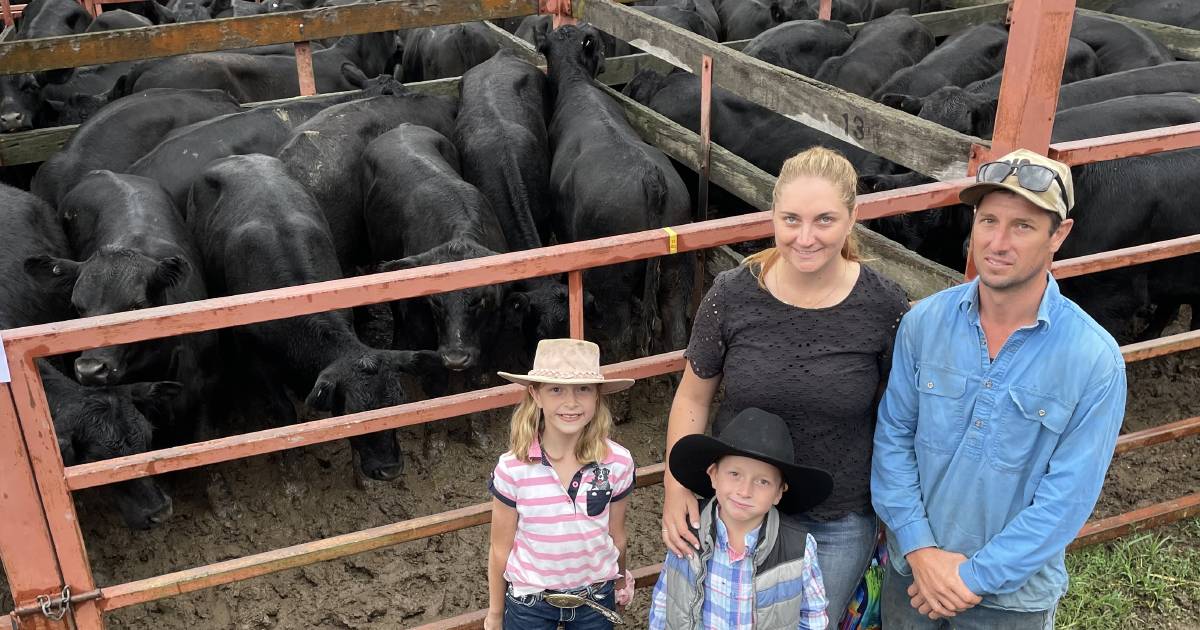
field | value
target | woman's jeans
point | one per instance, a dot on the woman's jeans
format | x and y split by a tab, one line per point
844	550
531	612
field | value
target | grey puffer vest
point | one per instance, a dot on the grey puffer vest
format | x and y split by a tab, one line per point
778	575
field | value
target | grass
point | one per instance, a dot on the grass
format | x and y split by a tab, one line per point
1147	580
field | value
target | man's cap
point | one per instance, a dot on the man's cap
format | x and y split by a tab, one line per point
759	435
1050	200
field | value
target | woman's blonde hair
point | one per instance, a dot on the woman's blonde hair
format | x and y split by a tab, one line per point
527	425
822	163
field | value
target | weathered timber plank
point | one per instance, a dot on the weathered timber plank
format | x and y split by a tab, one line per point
1182	42
524	49
32	146
920	145
951	21
243	32
919	277
1095	5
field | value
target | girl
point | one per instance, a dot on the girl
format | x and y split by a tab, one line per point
558	512
803	331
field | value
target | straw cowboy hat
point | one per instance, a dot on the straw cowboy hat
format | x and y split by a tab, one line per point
568	362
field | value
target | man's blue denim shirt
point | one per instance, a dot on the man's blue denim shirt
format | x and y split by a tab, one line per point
999	460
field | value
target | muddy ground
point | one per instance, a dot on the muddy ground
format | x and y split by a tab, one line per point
240	508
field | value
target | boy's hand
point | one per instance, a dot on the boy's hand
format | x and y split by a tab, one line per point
681	513
494	621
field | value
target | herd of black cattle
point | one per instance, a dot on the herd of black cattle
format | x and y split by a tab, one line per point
171	191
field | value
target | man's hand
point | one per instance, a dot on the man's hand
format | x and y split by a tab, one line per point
937	589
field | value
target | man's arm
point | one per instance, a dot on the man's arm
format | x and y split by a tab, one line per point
1064	498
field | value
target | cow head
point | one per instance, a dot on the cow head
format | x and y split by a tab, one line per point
542	311
370	379
572	48
112	280
190	10
76	109
789	10
20	99
465	318
952	107
644	85
98	423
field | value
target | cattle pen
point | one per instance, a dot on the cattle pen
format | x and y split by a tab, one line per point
41	541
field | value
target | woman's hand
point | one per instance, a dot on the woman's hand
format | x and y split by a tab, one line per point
681	514
494	621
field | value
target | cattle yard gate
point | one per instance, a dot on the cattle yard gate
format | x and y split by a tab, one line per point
41	543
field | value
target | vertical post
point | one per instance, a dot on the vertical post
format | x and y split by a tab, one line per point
705	155
575	302
8	14
1033	67
825	11
33	413
25	544
560	9
304	68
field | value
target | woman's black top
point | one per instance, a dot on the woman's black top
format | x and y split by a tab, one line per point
819	369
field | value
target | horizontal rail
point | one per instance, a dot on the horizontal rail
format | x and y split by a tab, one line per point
149	42
318	431
1155	515
189	580
1126	257
1124	145
1157	435
1162	346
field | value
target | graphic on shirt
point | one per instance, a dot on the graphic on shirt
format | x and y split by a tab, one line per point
600	479
601	493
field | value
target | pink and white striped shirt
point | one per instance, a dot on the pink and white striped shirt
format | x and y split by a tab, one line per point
562	539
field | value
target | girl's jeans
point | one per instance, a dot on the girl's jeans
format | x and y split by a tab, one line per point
531	612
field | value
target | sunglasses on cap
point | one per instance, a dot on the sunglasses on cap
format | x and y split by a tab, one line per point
1031	177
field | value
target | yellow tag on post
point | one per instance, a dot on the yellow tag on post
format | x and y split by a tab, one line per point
673	242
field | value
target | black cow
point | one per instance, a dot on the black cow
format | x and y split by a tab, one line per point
257	229
20	103
972	109
123	132
638	189
136	253
801	46
880	8
91	423
1183	13
324	155
250	77
684	15
50	18
970	55
179	158
1177	76
1126	114
534	29
882	48
449	50
704	8
116	19
406	172
744	19
20	94
190	10
1120	46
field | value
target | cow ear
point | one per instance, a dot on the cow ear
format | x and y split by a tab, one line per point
777	13
903	102
51	271
396	265
170	271
541	39
354	76
321	396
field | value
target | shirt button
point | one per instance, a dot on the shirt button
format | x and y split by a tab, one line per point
978	423
988	383
929	384
1041	412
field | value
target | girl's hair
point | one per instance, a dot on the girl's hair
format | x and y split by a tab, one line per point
822	163
527	424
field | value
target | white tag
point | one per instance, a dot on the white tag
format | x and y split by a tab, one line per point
4	375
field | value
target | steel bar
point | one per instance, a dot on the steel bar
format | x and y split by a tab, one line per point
825	10
915	198
1033	66
705	153
244	32
8	13
1127	144
26	547
1123	524
1126	257
1157	435
1160	347
208	576
318	431
575	302
304	68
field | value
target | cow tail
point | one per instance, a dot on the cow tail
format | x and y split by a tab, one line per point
655	188
520	202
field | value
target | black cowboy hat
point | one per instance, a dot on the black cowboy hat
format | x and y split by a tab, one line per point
759	435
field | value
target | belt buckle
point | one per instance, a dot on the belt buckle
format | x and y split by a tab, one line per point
572	601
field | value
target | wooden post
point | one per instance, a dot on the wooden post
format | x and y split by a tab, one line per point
8	16
826	10
304	68
575	302
559	9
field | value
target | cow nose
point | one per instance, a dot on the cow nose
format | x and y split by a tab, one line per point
91	371
163	514
12	121
456	360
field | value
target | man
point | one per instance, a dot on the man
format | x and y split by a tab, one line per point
999	420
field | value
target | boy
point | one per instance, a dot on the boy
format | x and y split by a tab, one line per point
754	569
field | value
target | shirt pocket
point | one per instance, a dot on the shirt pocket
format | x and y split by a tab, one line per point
1026	430
597	501
942	414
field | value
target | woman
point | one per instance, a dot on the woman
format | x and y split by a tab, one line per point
802	330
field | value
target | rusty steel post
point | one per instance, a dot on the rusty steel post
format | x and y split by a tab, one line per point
304	68
8	14
826	10
559	9
706	66
33	414
1033	67
575	302
26	548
